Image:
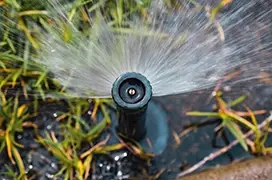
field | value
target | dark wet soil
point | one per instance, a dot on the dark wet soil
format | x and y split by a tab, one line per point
193	147
198	144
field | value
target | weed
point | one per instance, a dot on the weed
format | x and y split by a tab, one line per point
234	121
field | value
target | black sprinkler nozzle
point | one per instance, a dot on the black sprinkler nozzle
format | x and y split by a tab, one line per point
131	93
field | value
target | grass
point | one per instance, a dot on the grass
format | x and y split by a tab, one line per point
13	119
234	121
22	76
24	85
18	72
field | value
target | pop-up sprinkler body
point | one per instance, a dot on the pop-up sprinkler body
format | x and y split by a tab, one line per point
131	93
138	118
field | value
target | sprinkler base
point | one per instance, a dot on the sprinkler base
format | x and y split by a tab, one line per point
156	138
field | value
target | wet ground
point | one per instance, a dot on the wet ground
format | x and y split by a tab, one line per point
179	155
195	145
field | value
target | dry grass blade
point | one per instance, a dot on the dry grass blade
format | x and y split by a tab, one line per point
92	149
9	146
19	163
136	149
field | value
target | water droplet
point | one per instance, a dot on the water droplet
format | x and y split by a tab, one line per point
49	127
19	136
227	88
53	165
30	166
116	158
100	165
55	115
29	158
119	173
50	176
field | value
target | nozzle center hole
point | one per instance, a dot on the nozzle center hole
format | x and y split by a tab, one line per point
131	91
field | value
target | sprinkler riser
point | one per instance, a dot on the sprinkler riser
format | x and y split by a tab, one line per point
132	124
131	109
137	117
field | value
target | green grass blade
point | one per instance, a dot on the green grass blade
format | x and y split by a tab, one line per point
236	131
237	101
198	113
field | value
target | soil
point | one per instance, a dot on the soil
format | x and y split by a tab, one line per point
199	143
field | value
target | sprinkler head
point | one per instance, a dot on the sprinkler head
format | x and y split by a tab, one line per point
137	117
132	92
